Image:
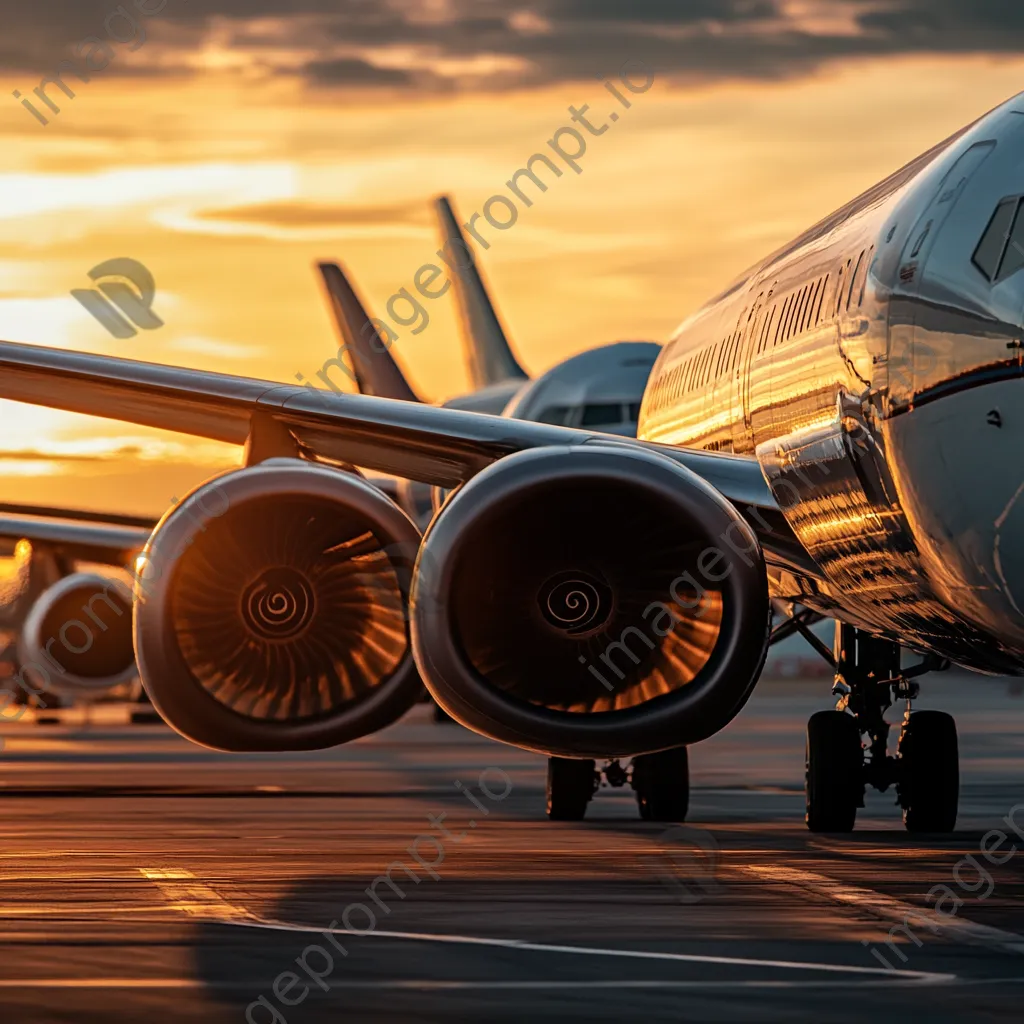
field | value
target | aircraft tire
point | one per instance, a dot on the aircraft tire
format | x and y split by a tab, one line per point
570	787
929	785
662	784
834	772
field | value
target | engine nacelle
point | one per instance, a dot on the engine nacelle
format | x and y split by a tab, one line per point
77	637
593	601
272	611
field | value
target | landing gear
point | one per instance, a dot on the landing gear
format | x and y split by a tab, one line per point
662	784
929	780
834	772
571	786
925	770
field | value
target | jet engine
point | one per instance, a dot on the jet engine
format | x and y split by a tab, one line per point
78	636
272	610
593	601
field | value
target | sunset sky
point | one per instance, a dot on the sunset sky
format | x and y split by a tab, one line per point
244	139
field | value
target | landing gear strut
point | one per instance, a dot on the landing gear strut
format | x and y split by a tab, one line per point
661	782
925	770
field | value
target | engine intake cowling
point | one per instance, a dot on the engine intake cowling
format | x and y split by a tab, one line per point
594	601
272	610
78	636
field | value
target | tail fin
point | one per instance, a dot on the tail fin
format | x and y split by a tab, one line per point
488	354
376	371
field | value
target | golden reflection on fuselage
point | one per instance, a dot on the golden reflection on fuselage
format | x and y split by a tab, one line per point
812	358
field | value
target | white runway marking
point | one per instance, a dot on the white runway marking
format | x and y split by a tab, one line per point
628	954
197	899
189	895
428	984
890	908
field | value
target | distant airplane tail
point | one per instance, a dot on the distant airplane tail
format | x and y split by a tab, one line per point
488	354
375	369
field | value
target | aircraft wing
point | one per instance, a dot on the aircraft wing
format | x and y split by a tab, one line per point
78	515
419	442
107	543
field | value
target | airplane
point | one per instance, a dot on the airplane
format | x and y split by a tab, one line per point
832	433
46	590
600	387
47	596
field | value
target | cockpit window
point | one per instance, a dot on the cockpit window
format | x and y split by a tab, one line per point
1000	236
557	414
634	412
1013	259
603	415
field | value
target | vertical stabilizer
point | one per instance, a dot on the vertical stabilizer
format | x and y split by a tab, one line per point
376	371
488	354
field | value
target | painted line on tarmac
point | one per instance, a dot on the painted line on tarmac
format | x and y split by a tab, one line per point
428	984
889	908
188	894
193	897
628	954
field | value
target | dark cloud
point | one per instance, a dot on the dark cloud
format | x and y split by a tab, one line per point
350	71
489	44
945	20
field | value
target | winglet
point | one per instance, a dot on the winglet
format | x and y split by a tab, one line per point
488	354
375	369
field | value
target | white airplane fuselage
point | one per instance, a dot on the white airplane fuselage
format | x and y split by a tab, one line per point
873	367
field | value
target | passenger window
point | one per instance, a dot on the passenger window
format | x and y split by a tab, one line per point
821	300
805	309
794	315
634	412
989	253
780	327
844	285
862	291
768	324
853	280
794	320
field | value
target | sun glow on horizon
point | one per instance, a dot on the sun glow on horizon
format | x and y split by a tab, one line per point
230	195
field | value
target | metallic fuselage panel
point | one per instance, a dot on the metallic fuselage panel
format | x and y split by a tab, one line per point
875	373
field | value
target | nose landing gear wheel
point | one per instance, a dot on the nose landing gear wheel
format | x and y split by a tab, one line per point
929	772
571	786
834	777
662	784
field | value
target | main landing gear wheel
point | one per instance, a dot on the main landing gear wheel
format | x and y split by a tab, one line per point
834	779
571	786
929	772
662	784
